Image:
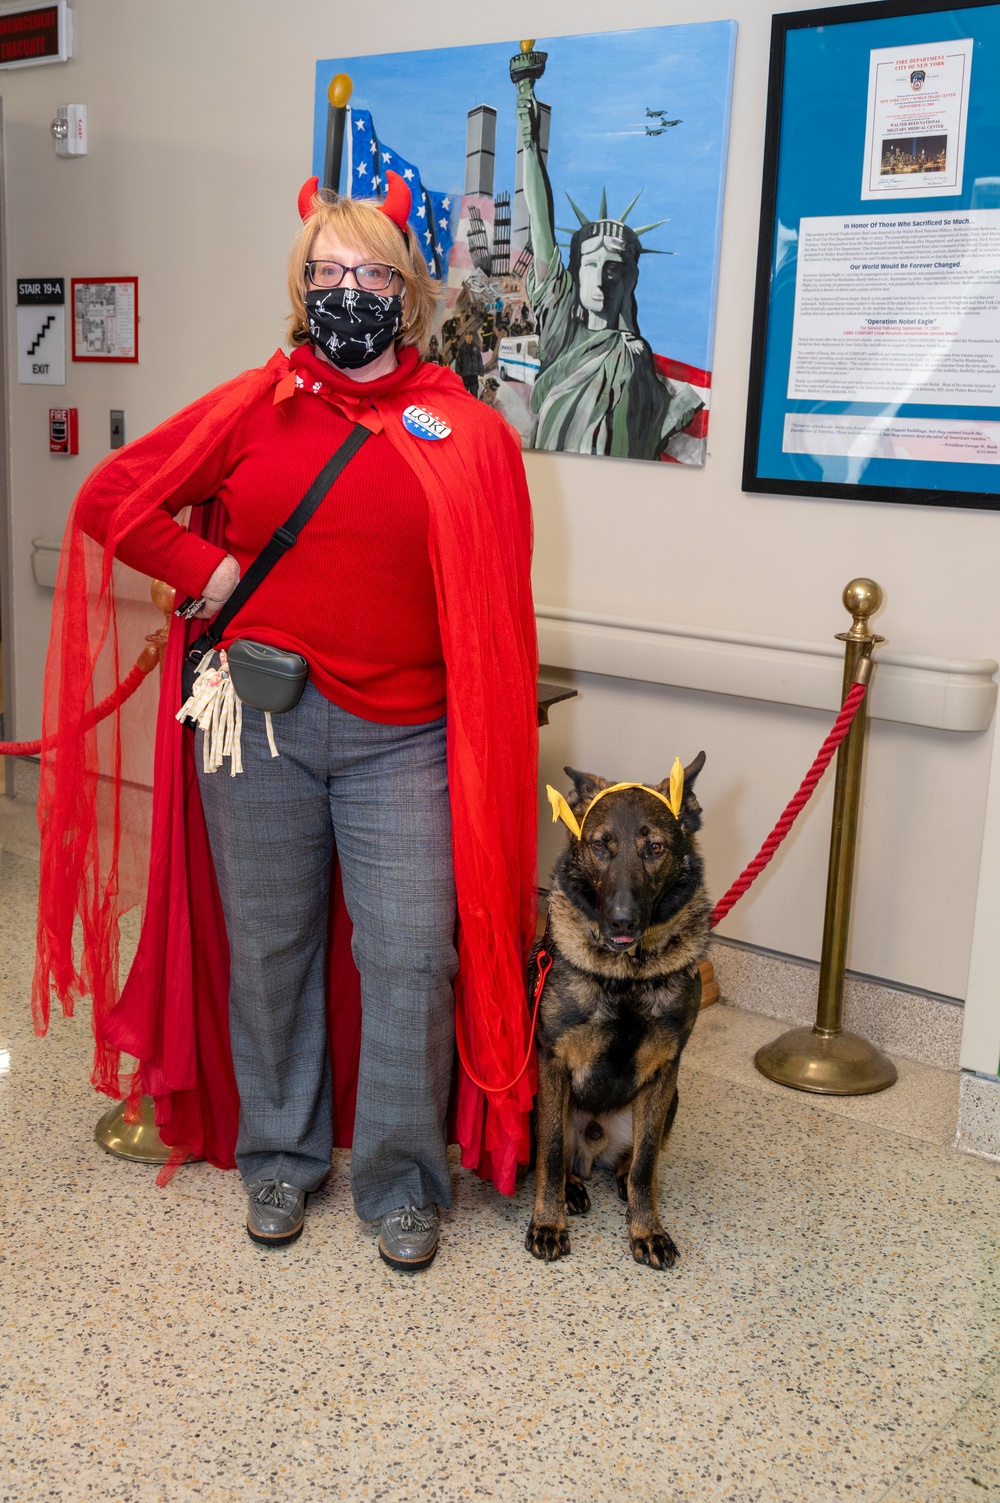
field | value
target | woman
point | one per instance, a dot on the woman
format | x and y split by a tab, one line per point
410	758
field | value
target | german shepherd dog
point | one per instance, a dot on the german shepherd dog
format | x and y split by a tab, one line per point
628	923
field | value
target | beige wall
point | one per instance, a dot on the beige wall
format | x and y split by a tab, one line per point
200	121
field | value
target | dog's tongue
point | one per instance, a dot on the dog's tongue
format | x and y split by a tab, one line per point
623	941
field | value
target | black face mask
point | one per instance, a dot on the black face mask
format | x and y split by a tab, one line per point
353	328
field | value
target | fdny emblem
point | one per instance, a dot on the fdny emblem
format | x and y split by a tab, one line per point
424	424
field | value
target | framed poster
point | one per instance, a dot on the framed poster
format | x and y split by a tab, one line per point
875	367
567	194
105	318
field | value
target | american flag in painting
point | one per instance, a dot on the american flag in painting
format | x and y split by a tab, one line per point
433	217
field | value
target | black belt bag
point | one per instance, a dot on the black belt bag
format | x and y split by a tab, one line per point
266	678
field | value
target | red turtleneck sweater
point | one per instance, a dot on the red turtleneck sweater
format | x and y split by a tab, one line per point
355	596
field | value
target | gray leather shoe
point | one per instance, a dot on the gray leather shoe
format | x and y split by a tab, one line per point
409	1238
275	1211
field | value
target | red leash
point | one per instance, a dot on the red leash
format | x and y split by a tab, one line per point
544	962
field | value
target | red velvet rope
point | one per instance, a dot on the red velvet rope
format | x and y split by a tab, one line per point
124	691
841	726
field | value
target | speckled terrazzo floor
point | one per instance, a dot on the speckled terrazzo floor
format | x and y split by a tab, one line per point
830	1332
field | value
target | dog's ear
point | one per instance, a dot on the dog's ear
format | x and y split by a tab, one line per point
690	815
693	768
585	786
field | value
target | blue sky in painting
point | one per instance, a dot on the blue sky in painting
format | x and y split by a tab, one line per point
599	87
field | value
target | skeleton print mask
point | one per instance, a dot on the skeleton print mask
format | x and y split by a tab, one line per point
352	327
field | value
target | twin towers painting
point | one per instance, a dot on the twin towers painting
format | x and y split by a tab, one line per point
568	197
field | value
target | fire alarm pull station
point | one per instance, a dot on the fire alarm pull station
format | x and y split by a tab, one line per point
63	431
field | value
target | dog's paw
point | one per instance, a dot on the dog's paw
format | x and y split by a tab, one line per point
656	1250
547	1242
577	1199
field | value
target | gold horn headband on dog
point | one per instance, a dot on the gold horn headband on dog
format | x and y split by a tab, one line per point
561	809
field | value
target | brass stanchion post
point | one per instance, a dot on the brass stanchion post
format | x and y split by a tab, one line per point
826	1058
139	1140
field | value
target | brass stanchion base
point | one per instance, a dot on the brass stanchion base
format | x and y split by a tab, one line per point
830	1064
138	1141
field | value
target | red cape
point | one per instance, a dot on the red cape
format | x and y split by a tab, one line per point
172	1013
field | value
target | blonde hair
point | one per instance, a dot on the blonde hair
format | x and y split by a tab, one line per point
359	223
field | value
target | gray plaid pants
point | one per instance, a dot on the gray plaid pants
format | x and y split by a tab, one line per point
378	795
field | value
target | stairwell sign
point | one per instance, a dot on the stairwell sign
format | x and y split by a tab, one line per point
41	331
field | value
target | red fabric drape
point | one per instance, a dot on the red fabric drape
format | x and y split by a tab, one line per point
94	805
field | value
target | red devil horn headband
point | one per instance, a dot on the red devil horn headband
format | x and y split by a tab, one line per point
396	206
398	200
307	193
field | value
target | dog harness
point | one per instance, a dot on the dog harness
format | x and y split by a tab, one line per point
561	809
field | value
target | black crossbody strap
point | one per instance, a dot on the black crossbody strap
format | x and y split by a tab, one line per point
284	537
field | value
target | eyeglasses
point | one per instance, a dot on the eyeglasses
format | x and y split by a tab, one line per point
371	276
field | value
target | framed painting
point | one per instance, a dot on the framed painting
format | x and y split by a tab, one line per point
875	368
567	195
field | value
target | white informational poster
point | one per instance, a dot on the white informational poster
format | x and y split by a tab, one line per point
918	103
898	310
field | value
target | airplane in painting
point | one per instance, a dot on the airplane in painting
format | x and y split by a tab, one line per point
662	124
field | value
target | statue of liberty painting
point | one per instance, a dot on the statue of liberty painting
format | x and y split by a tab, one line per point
598	390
